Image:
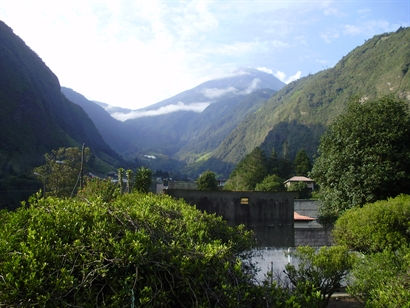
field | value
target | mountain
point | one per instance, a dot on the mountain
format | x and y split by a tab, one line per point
297	115
111	130
193	123
35	117
184	128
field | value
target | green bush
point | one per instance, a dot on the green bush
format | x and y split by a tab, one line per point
139	249
304	192
381	279
207	181
321	270
270	183
270	294
376	226
143	179
103	189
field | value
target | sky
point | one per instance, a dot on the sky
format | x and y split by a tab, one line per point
132	54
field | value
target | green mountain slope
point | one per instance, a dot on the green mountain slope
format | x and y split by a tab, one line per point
173	130
296	116
35	117
111	130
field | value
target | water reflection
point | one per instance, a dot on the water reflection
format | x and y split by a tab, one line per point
273	260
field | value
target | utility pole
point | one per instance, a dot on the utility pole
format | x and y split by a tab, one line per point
82	166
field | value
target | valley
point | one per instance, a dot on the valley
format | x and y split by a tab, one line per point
209	127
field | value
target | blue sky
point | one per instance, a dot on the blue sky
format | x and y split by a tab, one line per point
136	53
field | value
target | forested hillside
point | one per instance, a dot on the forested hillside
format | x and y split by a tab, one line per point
35	117
298	114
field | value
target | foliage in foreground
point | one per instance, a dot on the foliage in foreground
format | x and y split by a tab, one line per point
142	249
321	270
380	231
364	156
382	279
376	226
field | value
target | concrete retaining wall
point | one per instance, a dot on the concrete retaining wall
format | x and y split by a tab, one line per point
307	207
270	215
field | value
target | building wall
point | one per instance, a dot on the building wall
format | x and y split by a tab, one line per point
315	237
310	233
270	215
307	207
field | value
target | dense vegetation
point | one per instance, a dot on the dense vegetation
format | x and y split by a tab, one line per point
364	156
207	181
376	226
322	269
259	172
143	249
380	231
104	248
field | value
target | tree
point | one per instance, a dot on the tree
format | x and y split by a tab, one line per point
249	171
270	183
207	181
279	166
364	156
143	179
301	188
302	164
96	188
324	268
60	174
376	226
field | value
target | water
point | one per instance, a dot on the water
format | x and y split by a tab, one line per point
273	260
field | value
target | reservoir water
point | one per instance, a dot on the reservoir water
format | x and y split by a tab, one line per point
273	260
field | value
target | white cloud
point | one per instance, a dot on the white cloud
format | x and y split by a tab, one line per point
180	106
282	76
330	36
252	87
329	8
294	77
265	70
213	93
352	30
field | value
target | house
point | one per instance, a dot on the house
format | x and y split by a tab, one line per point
298	178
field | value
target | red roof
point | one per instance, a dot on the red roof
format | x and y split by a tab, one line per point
297	216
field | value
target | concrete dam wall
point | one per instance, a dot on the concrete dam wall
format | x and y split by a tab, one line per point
270	215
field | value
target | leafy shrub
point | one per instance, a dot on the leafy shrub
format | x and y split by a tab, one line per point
143	179
376	226
270	183
320	270
207	181
99	188
304	192
273	295
381	279
139	249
